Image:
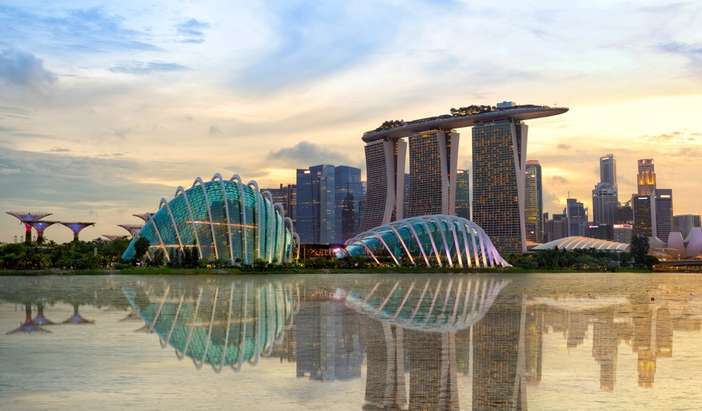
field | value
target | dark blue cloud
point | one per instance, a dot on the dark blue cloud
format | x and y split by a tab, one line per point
304	154
24	69
192	31
692	52
142	68
77	30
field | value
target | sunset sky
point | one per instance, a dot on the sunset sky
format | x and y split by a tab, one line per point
105	107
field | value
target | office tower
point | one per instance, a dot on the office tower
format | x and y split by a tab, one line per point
285	195
407	189
534	207
316	205
646	177
433	157
625	214
463	194
601	231
499	174
622	233
684	223
385	171
577	217
604	203
608	170
347	181
663	209
642	206
556	227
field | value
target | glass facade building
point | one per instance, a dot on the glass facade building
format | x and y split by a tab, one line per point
348	194
286	196
385	174
534	207
664	213
223	220
463	194
316	204
604	204
577	217
646	177
643	215
431	241
499	174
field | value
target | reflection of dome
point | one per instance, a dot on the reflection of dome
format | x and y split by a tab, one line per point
431	240
222	219
446	304
220	326
583	243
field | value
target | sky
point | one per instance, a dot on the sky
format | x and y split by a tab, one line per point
106	107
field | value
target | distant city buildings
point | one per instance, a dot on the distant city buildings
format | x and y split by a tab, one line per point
663	223
576	213
556	227
642	206
463	193
646	177
286	196
328	200
534	207
604	203
684	223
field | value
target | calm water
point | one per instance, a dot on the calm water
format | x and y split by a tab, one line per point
353	342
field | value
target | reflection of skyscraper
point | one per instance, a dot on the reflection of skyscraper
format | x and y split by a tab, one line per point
534	208
385	380
433	163
432	368
499	167
533	348
328	345
653	338
646	177
497	380
463	193
604	348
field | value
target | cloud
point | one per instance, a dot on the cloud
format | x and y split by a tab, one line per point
59	150
214	130
24	69
559	180
692	52
192	31
564	146
305	154
84	30
143	68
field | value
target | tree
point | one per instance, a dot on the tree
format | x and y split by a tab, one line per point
141	246
639	250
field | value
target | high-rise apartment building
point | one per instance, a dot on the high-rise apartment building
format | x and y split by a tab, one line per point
347	182
286	196
433	157
534	207
646	177
684	223
604	204
576	213
316	204
463	193
499	176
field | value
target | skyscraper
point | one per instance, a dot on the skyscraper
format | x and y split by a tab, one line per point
608	170
534	208
643	214
663	208
463	193
385	171
285	195
646	177
684	223
316	204
347	181
499	174
433	159
577	217
604	203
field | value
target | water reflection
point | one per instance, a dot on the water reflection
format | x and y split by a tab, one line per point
412	342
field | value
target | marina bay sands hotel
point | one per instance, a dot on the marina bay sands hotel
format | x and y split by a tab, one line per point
499	168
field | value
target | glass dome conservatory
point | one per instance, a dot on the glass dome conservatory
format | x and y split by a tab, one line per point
430	240
224	220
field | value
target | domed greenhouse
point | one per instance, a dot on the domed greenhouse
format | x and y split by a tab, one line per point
220	219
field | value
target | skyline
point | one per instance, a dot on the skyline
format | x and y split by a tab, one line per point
104	109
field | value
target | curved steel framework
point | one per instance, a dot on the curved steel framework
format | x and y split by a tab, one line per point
223	220
442	305
441	239
219	326
583	243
